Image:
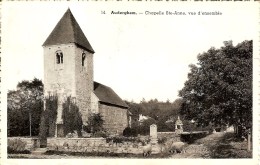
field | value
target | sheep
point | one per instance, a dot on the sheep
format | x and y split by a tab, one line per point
177	147
147	150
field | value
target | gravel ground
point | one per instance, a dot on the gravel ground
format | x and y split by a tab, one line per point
64	156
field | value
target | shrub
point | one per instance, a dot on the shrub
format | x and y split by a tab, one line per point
129	132
144	128
16	146
116	139
100	134
48	119
95	122
162	140
143	140
71	117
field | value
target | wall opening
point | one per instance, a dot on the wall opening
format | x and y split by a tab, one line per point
59	57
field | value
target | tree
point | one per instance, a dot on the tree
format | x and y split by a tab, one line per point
135	109
48	119
71	117
219	87
144	128
24	108
158	110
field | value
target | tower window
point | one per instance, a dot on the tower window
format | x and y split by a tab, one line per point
83	58
59	57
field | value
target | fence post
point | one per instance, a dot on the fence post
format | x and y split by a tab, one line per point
249	140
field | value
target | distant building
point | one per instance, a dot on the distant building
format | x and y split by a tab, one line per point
68	71
142	118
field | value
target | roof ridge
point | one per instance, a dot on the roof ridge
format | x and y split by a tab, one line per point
71	21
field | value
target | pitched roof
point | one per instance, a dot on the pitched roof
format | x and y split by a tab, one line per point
178	121
106	95
68	31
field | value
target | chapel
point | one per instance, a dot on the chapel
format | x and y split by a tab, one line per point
68	72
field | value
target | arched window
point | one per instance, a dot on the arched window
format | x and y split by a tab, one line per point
59	57
83	58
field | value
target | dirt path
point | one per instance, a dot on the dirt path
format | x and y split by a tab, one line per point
64	156
201	148
217	145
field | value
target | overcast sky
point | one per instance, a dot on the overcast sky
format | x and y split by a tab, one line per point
139	56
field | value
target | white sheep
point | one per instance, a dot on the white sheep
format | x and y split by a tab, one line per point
147	150
177	147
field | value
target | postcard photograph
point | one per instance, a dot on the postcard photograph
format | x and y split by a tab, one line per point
105	81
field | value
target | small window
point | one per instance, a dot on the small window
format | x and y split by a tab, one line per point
83	58
59	57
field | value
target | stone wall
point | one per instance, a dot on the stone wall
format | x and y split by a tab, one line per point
59	78
173	136
94	103
75	142
69	78
92	145
31	143
88	145
115	118
84	82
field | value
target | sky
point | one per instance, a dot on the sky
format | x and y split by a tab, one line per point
138	56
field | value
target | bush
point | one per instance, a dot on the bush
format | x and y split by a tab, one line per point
71	117
16	146
192	136
100	134
95	123
119	139
162	140
129	132
144	128
122	139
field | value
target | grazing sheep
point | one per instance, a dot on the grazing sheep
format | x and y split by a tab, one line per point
177	147
147	150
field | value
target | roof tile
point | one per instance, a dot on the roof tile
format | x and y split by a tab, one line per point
107	95
68	31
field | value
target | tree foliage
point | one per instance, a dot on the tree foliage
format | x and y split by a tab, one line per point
95	123
159	111
144	128
48	117
24	105
219	87
71	117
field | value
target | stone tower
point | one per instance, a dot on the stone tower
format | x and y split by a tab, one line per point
68	67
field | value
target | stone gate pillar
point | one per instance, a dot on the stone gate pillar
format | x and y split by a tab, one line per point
178	126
